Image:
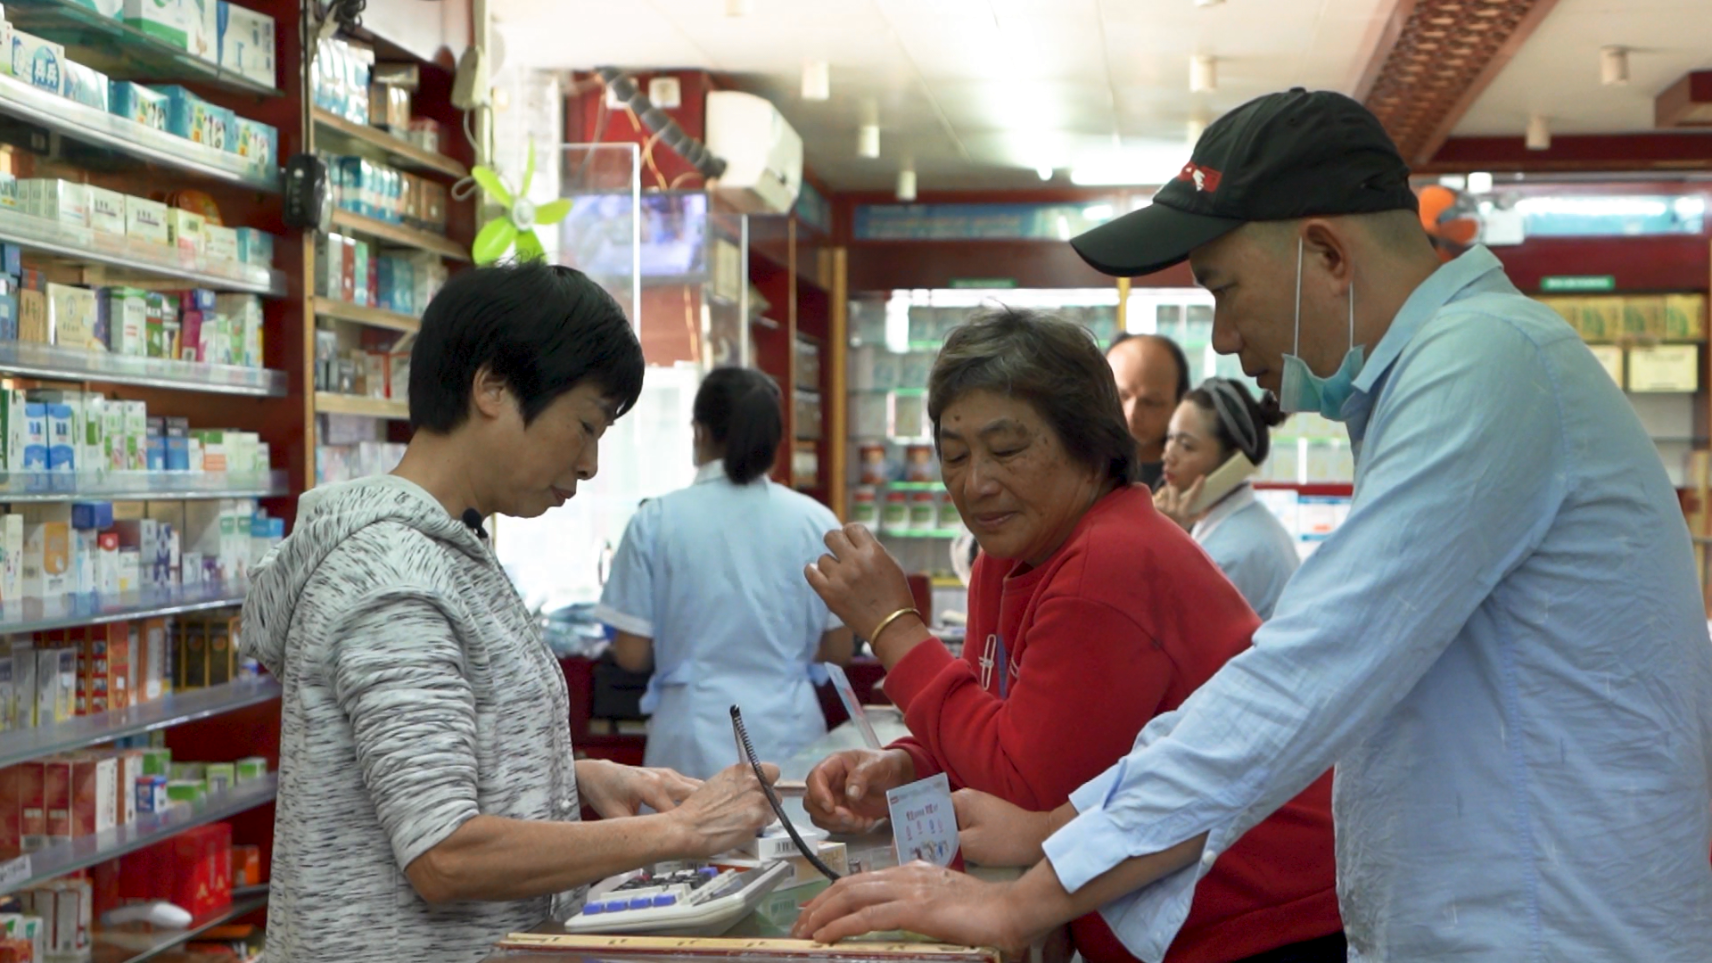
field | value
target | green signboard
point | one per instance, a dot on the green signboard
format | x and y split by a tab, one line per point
1570	282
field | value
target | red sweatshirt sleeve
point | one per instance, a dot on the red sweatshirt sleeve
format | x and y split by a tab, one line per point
1090	679
913	672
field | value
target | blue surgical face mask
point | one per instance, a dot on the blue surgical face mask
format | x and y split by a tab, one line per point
1299	389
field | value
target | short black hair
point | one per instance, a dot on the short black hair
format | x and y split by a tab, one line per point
541	328
1053	365
741	409
1171	346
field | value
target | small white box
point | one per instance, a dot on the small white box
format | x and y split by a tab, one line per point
186	230
107	211
247	44
12	560
64	202
220	243
145	220
85	550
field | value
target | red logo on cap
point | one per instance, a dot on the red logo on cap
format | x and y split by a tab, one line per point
1205	178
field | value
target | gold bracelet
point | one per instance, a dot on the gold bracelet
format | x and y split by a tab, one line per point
888	620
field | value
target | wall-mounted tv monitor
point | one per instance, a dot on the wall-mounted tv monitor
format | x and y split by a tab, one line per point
595	236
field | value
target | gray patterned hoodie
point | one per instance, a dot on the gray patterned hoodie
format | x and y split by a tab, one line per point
418	694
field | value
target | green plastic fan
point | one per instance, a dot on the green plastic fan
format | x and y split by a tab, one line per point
517	225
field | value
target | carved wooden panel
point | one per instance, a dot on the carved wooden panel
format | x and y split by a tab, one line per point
1439	56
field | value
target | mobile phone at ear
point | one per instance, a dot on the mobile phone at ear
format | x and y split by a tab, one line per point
1223	481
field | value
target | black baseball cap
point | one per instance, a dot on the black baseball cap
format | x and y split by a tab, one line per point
1281	156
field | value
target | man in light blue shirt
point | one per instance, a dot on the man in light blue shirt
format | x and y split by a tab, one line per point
1503	649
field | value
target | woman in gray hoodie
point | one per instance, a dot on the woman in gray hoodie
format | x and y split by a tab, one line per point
428	795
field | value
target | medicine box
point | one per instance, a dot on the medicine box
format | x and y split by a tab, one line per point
71	316
62	442
165	20
247	43
106	8
145	220
185	231
220	243
204	36
255	247
107	211
135	102
85	85
39	63
12	562
64	202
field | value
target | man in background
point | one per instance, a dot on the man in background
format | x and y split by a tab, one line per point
1153	377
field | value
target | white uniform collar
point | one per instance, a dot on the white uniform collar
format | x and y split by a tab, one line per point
1239	499
712	471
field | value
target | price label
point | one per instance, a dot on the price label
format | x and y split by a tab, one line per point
14	872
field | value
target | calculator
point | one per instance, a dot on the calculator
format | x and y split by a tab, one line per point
676	899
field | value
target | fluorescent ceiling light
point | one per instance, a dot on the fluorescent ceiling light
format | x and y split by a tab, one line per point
906	185
738	8
1480	182
1045	171
1132	167
868	140
1613	66
1203	74
1097	212
816	80
1594	206
1539	133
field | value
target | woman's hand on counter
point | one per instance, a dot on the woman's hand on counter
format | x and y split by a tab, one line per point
614	790
847	790
1174	504
862	584
992	832
726	811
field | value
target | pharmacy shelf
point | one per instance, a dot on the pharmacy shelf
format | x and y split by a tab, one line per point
189	705
34	615
72	855
399	234
337	134
358	314
133	257
121	135
52	362
905	486
119	50
121	946
147	486
329	403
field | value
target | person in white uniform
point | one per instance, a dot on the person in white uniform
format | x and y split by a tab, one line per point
1215	423
707	590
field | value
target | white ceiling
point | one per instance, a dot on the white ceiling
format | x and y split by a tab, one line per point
974	93
1556	73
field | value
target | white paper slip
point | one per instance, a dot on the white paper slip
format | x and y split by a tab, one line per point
847	695
924	822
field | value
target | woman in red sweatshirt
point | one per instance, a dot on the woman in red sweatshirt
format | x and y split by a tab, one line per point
1089	614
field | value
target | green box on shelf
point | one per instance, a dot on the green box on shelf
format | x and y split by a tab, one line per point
190	792
222	776
252	768
189	771
106	8
157	762
169	21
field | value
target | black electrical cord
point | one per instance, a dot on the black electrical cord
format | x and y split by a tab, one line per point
773	800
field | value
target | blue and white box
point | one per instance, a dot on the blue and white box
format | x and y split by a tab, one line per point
133	101
37	62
